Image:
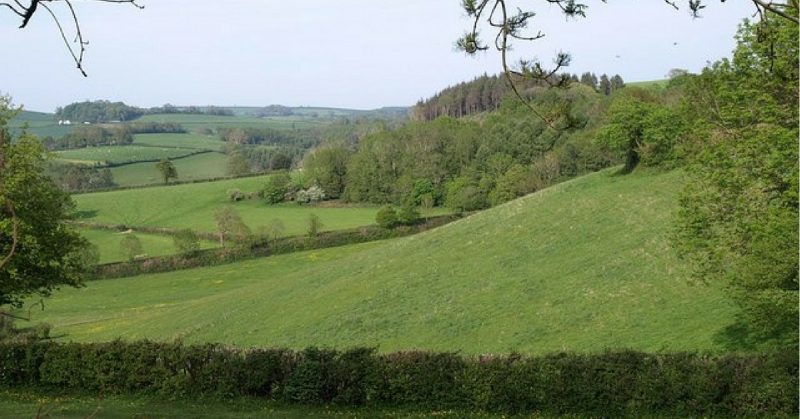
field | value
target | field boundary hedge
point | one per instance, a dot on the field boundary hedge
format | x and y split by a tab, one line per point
180	182
611	384
256	249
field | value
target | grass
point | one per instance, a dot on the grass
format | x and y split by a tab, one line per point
191	141
582	266
108	244
120	154
197	167
193	206
21	404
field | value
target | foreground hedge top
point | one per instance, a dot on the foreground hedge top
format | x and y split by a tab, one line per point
612	383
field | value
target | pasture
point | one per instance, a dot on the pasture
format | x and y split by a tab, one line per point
40	124
120	154
196	167
110	250
196	122
193	206
190	141
582	266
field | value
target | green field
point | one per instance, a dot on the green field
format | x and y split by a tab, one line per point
39	123
584	266
191	141
195	122
193	205
649	83
197	167
120	154
108	244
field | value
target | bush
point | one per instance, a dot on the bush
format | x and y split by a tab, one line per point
276	188
386	217
611	384
236	195
314	225
408	215
311	195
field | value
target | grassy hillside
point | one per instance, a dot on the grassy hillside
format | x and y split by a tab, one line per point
197	167
39	123
193	205
582	266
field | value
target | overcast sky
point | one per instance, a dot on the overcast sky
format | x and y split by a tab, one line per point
345	53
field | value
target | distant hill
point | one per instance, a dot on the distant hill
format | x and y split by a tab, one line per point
582	266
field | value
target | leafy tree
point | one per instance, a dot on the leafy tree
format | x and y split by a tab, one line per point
39	251
464	195
605	85
276	188
737	221
131	246
327	167
238	164
230	225
167	170
386	217
624	129
512	184
186	241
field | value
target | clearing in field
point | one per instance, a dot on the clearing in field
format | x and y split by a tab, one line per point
582	266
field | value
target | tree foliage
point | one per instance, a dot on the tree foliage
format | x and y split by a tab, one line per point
738	214
167	170
39	251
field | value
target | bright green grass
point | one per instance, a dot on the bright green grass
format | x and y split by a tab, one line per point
18	404
583	266
194	122
108	244
197	167
193	206
121	154
194	141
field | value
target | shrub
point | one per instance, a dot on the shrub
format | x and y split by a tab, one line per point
236	195
276	188
314	225
311	195
386	217
408	215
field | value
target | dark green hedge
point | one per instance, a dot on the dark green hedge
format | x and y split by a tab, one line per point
623	383
219	256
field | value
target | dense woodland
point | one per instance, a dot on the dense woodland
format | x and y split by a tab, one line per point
486	93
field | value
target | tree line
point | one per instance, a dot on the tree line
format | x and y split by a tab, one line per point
486	93
101	111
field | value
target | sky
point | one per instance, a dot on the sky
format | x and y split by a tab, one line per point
360	54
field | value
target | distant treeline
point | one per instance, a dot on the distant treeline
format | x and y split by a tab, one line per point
80	178
485	93
101	111
91	136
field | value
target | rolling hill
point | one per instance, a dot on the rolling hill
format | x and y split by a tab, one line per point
585	265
